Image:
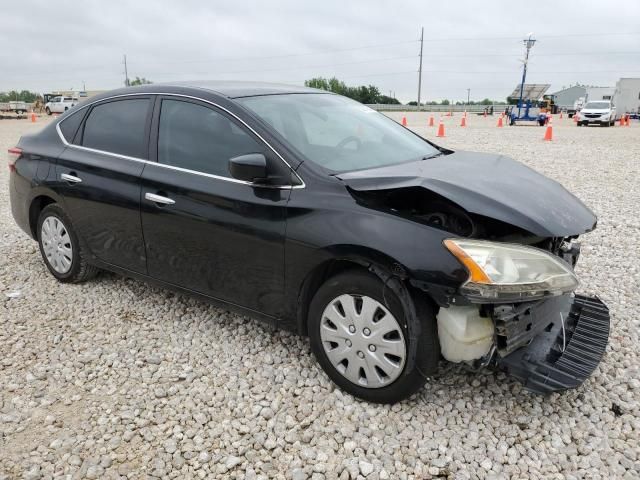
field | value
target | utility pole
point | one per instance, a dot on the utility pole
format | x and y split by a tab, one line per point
528	43
126	74
420	69
468	95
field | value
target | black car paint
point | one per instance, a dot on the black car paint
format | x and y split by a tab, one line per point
252	248
528	200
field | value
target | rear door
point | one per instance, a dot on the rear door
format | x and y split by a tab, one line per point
99	174
204	230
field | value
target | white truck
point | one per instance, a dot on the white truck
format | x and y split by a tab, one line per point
60	104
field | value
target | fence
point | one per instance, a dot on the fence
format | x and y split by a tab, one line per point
498	107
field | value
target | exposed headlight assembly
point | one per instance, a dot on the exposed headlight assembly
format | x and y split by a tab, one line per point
508	272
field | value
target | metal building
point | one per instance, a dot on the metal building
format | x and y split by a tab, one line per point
566	97
627	95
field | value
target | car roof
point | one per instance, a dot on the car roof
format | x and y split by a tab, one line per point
227	89
237	89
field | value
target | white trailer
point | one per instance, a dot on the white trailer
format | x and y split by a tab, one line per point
595	94
14	106
627	96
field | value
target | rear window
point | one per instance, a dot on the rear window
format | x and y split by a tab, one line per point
69	126
118	127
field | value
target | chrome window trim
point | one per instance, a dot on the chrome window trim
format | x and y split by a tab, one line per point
171	167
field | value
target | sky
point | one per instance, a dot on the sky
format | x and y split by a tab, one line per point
52	45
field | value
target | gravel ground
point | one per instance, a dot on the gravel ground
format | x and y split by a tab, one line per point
116	378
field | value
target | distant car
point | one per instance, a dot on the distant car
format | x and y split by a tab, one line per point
601	112
319	215
60	104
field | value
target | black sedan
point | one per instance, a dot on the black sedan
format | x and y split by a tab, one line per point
319	215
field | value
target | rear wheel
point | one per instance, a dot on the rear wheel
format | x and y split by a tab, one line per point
359	335
60	249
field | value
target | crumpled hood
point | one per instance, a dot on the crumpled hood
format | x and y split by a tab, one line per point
494	186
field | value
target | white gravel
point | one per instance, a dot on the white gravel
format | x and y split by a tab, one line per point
116	378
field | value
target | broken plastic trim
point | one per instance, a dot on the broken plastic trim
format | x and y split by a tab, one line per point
543	367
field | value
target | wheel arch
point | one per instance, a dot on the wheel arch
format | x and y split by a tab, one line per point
392	273
37	204
342	258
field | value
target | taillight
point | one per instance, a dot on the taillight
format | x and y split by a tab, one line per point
14	155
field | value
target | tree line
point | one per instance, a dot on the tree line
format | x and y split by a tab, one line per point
23	96
371	94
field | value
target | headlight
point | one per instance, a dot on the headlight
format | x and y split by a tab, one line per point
507	272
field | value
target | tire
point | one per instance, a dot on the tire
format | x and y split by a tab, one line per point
392	335
48	110
68	262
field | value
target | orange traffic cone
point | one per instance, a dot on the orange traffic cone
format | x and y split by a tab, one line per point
431	121
404	121
548	134
463	121
440	129
499	122
560	114
33	117
627	120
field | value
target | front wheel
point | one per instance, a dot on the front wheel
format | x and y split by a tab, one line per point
359	335
60	249
48	110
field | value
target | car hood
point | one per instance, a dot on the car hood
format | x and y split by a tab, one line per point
494	186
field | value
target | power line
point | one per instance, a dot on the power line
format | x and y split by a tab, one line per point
268	57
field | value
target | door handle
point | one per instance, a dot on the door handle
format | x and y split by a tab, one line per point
158	199
70	178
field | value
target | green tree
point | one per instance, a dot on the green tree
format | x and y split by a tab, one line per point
363	93
23	96
139	81
384	99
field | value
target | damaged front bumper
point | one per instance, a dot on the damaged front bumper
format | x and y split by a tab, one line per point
551	345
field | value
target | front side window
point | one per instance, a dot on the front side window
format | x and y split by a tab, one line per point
118	127
337	133
201	139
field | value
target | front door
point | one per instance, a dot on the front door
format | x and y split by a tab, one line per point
204	230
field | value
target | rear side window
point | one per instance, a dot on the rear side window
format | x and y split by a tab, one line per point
69	126
199	138
118	127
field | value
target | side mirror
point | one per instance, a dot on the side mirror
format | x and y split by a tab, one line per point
250	168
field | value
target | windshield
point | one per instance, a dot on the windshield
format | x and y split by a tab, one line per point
598	105
338	133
